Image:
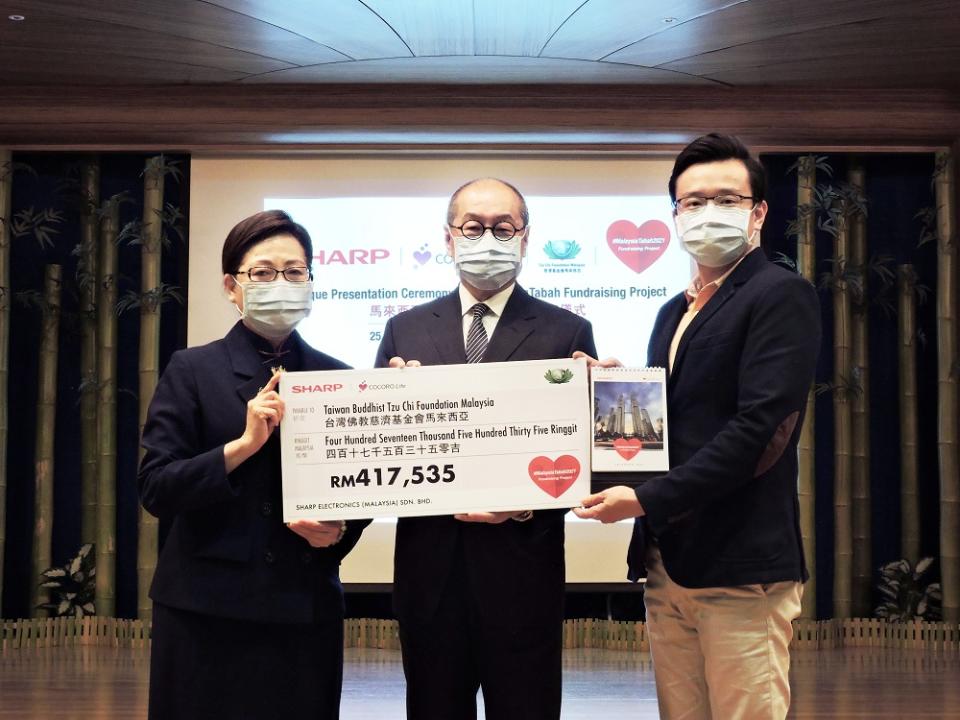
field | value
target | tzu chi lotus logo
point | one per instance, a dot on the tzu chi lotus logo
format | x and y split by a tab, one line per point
561	249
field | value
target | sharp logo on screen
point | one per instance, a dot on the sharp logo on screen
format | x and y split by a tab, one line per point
353	256
638	246
329	387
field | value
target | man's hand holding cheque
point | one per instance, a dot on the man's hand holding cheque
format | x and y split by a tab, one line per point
610	505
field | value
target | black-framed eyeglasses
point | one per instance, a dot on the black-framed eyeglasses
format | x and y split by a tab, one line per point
296	274
692	203
474	230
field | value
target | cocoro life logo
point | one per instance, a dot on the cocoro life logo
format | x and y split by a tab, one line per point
362	385
353	256
325	388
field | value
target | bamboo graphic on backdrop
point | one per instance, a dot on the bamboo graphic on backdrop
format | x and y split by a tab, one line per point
839	205
842	511
6	177
46	427
909	457
806	265
948	368
107	268
151	232
860	404
87	277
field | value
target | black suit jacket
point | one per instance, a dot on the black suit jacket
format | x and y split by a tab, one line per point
743	366
515	569
228	552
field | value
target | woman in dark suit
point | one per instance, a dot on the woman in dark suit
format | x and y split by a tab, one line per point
248	611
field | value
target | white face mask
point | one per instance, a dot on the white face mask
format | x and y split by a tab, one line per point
715	236
273	309
488	263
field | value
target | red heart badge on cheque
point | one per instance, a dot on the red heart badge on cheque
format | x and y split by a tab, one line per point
627	448
554	477
638	247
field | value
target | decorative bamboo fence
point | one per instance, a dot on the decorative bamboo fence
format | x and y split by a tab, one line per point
582	633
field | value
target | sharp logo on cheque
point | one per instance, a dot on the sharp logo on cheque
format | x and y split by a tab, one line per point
327	387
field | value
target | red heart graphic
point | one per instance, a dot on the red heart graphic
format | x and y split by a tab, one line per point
627	448
638	247
554	477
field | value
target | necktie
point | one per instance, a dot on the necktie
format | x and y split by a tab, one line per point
476	335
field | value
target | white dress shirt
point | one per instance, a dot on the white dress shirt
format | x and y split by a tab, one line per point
496	303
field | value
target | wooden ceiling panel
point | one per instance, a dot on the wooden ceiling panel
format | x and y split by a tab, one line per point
750	22
885	71
602	27
54	36
468	69
24	66
193	20
880	43
354	116
866	52
347	26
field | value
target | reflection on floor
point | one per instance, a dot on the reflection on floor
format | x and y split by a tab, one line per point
101	683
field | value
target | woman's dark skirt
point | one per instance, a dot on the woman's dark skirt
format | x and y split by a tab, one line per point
209	667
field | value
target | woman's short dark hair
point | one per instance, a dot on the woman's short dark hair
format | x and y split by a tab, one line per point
714	148
259	227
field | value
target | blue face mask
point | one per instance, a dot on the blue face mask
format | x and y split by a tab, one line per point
273	309
488	263
715	236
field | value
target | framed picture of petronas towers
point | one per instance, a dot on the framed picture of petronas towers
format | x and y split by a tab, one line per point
629	419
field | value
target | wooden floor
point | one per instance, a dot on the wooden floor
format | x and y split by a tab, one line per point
91	682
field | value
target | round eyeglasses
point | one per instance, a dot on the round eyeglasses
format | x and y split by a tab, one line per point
474	230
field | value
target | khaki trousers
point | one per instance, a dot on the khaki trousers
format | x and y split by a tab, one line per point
720	653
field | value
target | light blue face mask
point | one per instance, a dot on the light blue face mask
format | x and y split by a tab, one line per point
488	263
715	236
273	309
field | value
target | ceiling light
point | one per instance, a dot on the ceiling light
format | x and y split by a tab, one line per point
16	18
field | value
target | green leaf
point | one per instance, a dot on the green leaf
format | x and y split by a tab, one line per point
890	593
38	224
922	565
